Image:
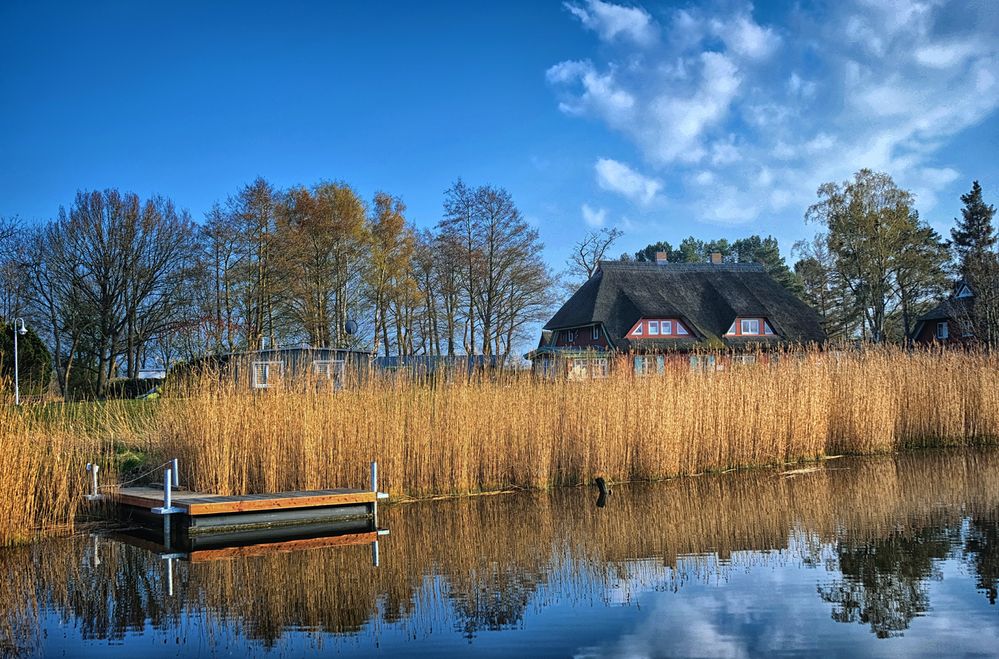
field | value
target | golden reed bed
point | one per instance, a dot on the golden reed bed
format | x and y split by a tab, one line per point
464	437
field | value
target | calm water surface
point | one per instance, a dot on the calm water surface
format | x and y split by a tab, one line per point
884	556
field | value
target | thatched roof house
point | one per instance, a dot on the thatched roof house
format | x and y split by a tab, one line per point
665	308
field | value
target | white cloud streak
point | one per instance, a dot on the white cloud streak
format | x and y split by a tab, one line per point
712	94
614	22
619	178
594	217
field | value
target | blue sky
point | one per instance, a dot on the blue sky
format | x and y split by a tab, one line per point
663	119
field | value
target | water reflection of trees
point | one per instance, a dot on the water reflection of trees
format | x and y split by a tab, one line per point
478	564
981	548
884	581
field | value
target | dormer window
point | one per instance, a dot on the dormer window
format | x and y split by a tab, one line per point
750	327
658	327
964	291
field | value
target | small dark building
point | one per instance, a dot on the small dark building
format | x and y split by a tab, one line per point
950	322
263	369
670	311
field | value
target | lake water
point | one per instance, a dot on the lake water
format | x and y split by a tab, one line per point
876	556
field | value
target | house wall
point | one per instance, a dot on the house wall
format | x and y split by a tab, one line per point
928	335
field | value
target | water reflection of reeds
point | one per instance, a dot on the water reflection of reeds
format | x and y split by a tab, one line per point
478	563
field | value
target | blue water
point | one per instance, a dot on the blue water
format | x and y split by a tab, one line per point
876	557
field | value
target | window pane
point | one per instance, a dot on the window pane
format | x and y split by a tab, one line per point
667	328
653	327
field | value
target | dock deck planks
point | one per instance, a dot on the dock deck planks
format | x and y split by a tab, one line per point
196	503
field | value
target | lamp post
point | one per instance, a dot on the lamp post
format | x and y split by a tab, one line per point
17	380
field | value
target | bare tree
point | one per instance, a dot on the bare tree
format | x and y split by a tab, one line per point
589	251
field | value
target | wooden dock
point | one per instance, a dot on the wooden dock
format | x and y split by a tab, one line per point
204	517
195	504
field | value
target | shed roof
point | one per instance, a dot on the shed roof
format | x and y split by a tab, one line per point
707	298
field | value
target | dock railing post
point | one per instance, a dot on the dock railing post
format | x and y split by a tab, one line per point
176	472
374	477
95	493
167	484
167	508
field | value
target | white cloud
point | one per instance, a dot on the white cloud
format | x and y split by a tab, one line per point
618	177
862	83
746	38
944	55
704	177
594	217
611	21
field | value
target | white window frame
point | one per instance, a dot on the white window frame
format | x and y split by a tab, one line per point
964	292
595	333
743	323
600	367
570	336
943	330
653	328
266	370
967	328
666	327
767	329
638	329
703	363
680	329
731	330
327	368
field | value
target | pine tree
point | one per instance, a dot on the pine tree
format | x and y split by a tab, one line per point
974	236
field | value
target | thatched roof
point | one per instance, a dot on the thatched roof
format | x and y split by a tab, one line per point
950	309
707	298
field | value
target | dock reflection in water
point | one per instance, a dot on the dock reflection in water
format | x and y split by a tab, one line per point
873	556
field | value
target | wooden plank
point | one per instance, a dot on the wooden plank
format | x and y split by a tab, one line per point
313	500
197	503
143	501
223	553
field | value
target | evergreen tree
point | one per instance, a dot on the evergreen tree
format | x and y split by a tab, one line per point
648	253
974	236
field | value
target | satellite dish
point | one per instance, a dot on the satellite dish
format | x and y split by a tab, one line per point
350	327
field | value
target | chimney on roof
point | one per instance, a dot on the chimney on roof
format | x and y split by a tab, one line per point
716	258
662	257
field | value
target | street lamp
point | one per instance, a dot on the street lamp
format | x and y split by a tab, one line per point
17	381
